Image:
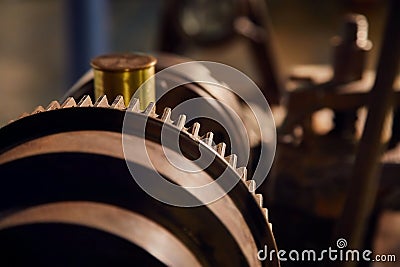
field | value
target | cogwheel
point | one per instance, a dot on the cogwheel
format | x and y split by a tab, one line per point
192	131
77	145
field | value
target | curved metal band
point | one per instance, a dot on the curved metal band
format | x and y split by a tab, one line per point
126	224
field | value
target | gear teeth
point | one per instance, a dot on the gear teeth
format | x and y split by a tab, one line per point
86	101
150	110
102	102
208	138
265	211
38	110
232	160
69	103
260	200
251	185
119	103
242	171
194	130
220	149
134	105
53	106
180	123
166	116
23	115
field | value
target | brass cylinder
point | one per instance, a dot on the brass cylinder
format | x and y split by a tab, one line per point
123	74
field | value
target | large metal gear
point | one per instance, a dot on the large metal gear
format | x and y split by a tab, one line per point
67	197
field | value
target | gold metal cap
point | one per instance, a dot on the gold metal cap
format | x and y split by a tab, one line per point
123	74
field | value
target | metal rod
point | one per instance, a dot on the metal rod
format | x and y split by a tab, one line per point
365	178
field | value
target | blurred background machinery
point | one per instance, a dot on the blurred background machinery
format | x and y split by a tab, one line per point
37	42
330	178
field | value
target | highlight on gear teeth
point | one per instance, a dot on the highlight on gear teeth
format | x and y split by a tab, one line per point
192	131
